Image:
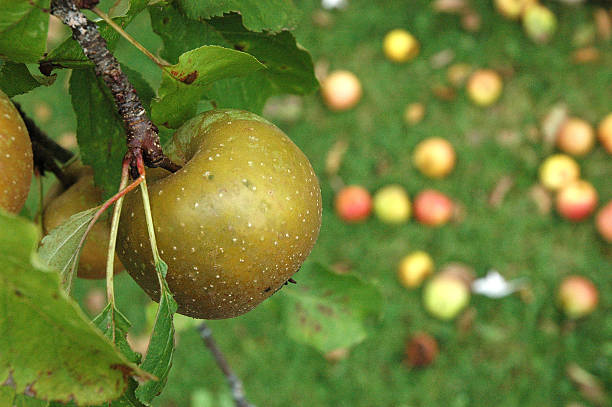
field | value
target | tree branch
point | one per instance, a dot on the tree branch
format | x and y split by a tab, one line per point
234	382
45	150
142	135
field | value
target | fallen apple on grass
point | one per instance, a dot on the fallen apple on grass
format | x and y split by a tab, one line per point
392	204
341	90
445	296
557	171
576	201
414	268
576	137
433	208
577	296
400	46
484	87
353	203
603	222
604	133
434	157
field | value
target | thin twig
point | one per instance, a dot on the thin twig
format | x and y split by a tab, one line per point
234	381
157	61
142	135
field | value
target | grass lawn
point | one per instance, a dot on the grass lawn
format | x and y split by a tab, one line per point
511	352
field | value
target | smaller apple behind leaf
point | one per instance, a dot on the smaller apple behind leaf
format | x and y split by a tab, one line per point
576	201
433	208
353	204
341	90
577	296
392	204
576	137
434	157
414	268
603	222
400	46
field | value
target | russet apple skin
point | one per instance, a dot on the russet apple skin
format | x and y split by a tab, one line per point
16	160
234	224
60	204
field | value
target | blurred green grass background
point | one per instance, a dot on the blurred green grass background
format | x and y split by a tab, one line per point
514	353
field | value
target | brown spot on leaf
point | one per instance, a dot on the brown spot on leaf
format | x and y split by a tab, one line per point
18	293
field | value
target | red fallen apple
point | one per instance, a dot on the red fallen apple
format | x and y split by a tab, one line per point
432	208
341	90
421	350
577	296
558	171
353	203
484	87
577	200
604	133
435	157
603	222
576	137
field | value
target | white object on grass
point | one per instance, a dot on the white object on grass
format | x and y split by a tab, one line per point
494	285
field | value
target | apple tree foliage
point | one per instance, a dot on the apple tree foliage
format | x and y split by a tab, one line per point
233	53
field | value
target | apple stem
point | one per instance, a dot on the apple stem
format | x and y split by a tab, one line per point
112	242
234	381
156	60
97	215
142	136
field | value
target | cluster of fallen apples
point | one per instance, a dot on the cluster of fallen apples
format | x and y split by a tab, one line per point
246	206
447	292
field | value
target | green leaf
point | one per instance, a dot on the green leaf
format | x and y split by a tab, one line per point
69	53
59	248
25	401
289	67
7	395
270	15
184	83
16	79
100	130
49	348
23	29
161	347
330	311
114	325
